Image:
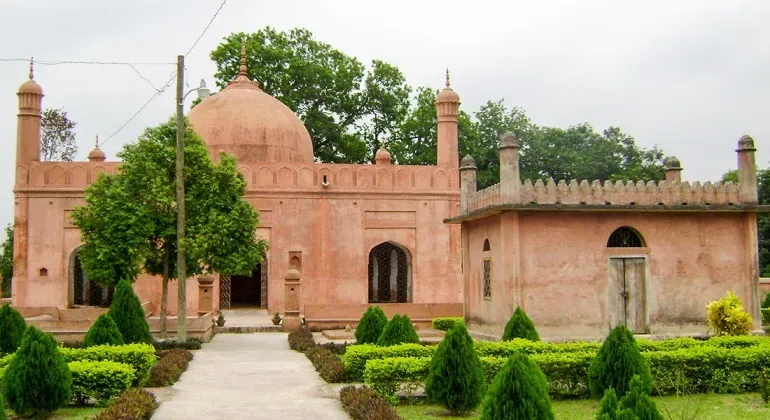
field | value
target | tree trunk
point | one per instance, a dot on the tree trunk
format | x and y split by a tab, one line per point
164	296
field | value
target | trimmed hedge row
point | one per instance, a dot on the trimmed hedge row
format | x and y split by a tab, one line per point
141	357
356	356
101	381
134	404
362	403
171	364
702	369
98	380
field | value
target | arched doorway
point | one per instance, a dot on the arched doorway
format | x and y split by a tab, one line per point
627	279
82	291
244	291
390	274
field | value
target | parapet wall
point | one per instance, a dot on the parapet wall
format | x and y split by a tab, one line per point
613	193
260	176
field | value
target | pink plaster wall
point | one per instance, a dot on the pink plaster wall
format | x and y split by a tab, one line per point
562	268
333	226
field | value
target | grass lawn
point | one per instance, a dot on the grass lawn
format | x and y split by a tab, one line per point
703	406
70	413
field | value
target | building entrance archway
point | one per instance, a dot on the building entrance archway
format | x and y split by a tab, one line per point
390	274
82	291
244	291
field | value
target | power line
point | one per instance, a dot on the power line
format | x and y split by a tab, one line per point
171	78
114	63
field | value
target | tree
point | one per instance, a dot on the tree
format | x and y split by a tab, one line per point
345	106
38	381
763	219
398	330
455	377
57	136
617	361
520	326
129	221
127	312
103	331
6	262
519	391
371	325
12	326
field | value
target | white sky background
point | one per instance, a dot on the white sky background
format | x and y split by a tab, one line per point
691	76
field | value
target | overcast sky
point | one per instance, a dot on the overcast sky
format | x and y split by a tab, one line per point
689	76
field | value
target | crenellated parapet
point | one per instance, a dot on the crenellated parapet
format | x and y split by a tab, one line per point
671	192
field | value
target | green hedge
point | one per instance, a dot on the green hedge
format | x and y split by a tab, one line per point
101	381
700	369
446	322
141	357
355	357
766	315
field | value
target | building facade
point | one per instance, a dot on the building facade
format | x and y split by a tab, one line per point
580	257
356	233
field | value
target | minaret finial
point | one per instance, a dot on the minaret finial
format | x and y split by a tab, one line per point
447	77
243	70
384	143
97	141
31	68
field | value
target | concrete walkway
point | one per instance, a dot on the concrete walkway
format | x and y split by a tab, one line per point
250	376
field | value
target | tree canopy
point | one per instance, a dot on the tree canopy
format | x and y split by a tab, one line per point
348	108
129	221
6	262
57	136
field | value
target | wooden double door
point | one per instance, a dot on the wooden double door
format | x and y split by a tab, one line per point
628	294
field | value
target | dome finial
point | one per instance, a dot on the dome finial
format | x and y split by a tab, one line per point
31	68
447	77
97	141
243	70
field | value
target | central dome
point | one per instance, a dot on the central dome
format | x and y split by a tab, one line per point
251	125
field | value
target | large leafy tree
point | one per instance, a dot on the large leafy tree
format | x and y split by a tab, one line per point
6	261
347	107
57	136
129	221
763	219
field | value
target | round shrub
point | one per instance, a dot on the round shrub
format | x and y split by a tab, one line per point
455	378
617	361
726	316
447	322
519	391
371	325
12	326
520	326
104	331
127	312
398	330
38	380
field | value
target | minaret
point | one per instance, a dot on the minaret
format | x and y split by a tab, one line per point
28	129
747	170
447	106
27	151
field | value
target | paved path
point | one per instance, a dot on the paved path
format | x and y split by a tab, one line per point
250	376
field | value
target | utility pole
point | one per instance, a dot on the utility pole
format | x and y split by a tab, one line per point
180	207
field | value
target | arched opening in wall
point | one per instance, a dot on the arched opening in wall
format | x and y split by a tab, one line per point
244	291
83	291
390	274
625	237
486	245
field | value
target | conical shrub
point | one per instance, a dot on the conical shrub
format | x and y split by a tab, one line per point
617	361
127	312
456	379
398	330
520	326
519	391
103	331
371	325
38	381
12	326
636	405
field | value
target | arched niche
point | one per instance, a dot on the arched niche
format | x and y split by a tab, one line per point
390	273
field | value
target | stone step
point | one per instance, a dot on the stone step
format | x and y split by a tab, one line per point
248	330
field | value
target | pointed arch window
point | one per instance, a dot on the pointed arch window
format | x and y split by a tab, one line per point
390	274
